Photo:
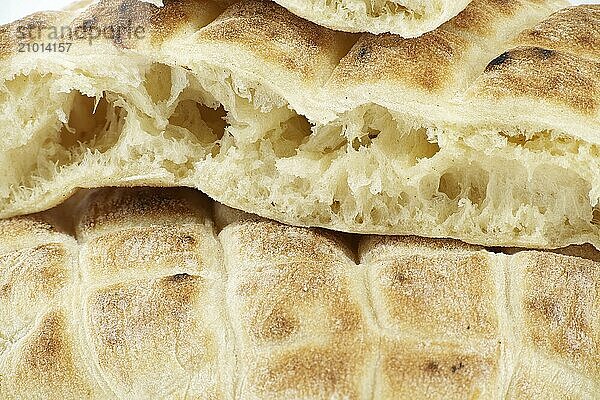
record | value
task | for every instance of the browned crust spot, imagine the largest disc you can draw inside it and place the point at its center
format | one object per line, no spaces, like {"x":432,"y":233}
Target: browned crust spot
{"x":47,"y":363}
{"x":159,"y":23}
{"x":449,"y":373}
{"x":129,"y":205}
{"x":274,"y":33}
{"x":140,"y":320}
{"x":309,"y":372}
{"x":573,"y":30}
{"x":443,"y":295}
{"x":561,"y":296}
{"x":427,"y":62}
{"x":270,"y":240}
{"x":44,"y":268}
{"x":293,"y":288}
{"x":22,"y":227}
{"x":145,"y":249}
{"x":538,"y":73}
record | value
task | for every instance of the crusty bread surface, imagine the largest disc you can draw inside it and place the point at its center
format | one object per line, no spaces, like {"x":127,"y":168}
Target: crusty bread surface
{"x":157,"y":293}
{"x":484,"y":130}
{"x":406,"y":18}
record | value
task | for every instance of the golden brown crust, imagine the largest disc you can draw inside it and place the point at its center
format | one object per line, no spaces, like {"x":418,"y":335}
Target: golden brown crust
{"x":159,"y":24}
{"x":433,"y":61}
{"x":561,"y":294}
{"x":12,"y":229}
{"x":479,"y":17}
{"x":432,"y":58}
{"x":162,"y":335}
{"x":436,"y":301}
{"x":144,"y":331}
{"x":267,"y":29}
{"x":572,"y":30}
{"x":294,"y":315}
{"x":147,"y":249}
{"x":310,"y":372}
{"x":380,"y":248}
{"x":47,"y":366}
{"x":271,"y":241}
{"x":118,"y":206}
{"x":16,"y":32}
{"x":44,"y":270}
{"x":550,"y":75}
{"x":443,"y":294}
{"x":453,"y":373}
{"x":301,"y":305}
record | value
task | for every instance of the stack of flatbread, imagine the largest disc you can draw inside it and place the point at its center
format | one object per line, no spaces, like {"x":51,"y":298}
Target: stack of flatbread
{"x":198,"y":197}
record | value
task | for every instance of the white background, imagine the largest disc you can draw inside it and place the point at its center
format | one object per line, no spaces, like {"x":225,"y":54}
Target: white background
{"x":14,"y":9}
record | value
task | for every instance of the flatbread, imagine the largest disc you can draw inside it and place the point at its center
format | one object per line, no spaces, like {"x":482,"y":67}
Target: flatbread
{"x":484,"y":130}
{"x":143,"y":293}
{"x":407,"y":18}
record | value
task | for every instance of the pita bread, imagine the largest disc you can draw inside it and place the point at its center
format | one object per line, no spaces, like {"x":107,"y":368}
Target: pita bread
{"x":484,"y":130}
{"x":405,"y":18}
{"x":145,"y":297}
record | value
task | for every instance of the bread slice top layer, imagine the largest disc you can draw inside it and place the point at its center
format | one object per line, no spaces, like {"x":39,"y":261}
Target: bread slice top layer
{"x":159,"y":293}
{"x":484,"y":130}
{"x":404,"y":18}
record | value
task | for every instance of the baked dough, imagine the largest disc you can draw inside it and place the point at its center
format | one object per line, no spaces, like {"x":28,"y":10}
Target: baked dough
{"x":407,"y":18}
{"x":145,"y":296}
{"x":473,"y":131}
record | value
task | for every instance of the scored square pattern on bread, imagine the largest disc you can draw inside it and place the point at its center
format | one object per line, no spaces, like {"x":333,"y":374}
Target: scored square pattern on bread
{"x":141,"y":295}
{"x":483,"y":130}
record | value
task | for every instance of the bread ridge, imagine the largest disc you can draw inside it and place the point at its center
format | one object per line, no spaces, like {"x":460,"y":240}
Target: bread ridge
{"x":261,"y":310}
{"x":322,"y":128}
{"x":407,"y":20}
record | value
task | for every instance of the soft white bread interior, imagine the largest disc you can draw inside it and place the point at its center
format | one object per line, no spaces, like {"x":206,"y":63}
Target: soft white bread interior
{"x":145,"y":298}
{"x":406,"y":18}
{"x":485,"y":129}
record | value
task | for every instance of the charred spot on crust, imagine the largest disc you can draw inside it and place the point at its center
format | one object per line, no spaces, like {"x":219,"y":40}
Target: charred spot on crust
{"x":124,"y":7}
{"x":544,"y":53}
{"x":501,"y":59}
{"x":363,"y":52}
{"x":457,"y":367}
{"x":178,"y":278}
{"x":432,"y":367}
{"x":89,"y":23}
{"x":187,"y":241}
{"x":539,"y":73}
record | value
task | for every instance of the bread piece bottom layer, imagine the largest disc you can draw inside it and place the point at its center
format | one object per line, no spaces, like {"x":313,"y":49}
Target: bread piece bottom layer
{"x":155,"y":293}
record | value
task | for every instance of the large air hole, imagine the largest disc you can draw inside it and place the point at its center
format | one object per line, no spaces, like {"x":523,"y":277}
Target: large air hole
{"x":450,"y":185}
{"x":158,"y":82}
{"x":372,"y":126}
{"x":206,"y":124}
{"x":419,"y":144}
{"x":293,"y":133}
{"x":92,"y":123}
{"x":382,"y":8}
{"x":458,"y":184}
{"x":544,"y":141}
{"x":366,"y":140}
